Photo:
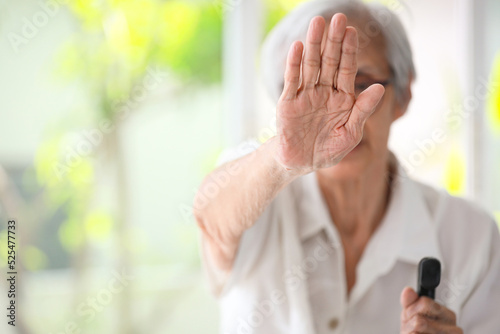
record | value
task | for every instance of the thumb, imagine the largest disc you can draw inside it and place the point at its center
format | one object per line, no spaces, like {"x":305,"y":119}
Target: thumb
{"x":408,"y":297}
{"x":365,"y":104}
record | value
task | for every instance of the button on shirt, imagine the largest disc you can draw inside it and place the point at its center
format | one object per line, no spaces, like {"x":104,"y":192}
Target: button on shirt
{"x":289,"y":273}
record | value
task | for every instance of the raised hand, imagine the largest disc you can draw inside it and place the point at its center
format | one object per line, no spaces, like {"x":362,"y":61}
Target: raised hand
{"x":319,"y":118}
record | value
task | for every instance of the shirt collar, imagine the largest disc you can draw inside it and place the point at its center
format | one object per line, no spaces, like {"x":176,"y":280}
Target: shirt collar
{"x":420,"y":231}
{"x":408,"y":231}
{"x":313,"y":208}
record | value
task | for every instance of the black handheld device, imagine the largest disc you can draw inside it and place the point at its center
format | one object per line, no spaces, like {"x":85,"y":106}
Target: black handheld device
{"x":429,"y":276}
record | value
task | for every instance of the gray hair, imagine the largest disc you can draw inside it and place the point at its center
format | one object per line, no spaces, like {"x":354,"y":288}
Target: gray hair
{"x":294,"y":27}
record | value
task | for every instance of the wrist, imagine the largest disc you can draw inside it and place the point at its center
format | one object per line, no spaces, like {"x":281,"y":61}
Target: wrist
{"x":284,"y":172}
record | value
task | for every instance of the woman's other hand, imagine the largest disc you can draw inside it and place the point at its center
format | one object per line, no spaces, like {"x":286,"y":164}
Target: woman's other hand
{"x":423,"y":315}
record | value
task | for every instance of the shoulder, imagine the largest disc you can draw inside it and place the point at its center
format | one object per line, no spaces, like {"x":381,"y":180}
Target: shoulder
{"x":469,"y":243}
{"x":456,"y":214}
{"x":467,"y":233}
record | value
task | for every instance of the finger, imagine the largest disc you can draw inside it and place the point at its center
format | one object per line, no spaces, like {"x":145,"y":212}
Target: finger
{"x":419,"y":324}
{"x":428,"y":326}
{"x":408,"y":295}
{"x":348,"y":61}
{"x":333,"y":46}
{"x":430,"y":309}
{"x":365,"y":105}
{"x":312,"y":57}
{"x":292,"y":71}
{"x":422,"y":307}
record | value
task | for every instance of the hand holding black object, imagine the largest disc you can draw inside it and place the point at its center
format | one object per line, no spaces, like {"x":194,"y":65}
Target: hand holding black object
{"x":420,"y":313}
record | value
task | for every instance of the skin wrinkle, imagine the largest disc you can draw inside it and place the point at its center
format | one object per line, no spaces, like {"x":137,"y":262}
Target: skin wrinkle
{"x":322,"y":125}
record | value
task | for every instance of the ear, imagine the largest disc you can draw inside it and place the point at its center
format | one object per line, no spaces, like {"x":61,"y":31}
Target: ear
{"x":401,"y":107}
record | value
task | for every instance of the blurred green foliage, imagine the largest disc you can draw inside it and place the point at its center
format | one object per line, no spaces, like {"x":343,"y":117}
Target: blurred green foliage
{"x":117,"y":42}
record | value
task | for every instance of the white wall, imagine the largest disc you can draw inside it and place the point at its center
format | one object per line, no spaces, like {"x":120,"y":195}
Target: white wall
{"x":31,"y":98}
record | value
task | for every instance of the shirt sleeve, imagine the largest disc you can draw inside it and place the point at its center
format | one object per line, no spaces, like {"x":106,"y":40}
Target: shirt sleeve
{"x":480,"y":311}
{"x":219,"y":281}
{"x":249,"y":254}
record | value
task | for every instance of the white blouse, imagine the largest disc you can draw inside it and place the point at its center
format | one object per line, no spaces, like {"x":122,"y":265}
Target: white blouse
{"x":289,"y":274}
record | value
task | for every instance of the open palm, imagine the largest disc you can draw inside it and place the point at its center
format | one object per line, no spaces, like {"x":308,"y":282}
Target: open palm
{"x":319,"y":118}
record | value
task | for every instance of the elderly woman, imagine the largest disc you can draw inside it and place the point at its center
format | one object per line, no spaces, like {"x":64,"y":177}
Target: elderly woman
{"x":319,"y":230}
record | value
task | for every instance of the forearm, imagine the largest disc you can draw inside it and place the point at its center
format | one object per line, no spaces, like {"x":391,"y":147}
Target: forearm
{"x":250,"y":184}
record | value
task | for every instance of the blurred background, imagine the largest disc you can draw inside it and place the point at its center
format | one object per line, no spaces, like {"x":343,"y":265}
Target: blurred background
{"x":112,"y":112}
